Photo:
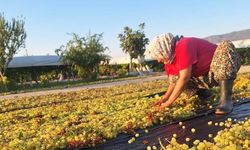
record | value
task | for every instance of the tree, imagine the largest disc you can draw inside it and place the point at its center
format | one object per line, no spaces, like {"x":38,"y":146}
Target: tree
{"x":59,"y":51}
{"x":133,"y":42}
{"x":12,"y":37}
{"x":84,"y":54}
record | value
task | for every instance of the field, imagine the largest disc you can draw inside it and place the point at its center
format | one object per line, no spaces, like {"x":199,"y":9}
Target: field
{"x":93,"y":116}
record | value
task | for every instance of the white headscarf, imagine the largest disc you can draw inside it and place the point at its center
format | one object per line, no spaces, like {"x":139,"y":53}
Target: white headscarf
{"x":161,"y":47}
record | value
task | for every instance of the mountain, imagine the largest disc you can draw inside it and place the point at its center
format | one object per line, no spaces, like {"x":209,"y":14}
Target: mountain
{"x":239,"y":38}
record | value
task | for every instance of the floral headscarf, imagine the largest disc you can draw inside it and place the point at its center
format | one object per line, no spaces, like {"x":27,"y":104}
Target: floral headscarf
{"x":162,"y":46}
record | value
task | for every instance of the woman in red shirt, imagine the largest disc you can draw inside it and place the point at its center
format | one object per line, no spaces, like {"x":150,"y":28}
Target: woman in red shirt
{"x":187,"y":59}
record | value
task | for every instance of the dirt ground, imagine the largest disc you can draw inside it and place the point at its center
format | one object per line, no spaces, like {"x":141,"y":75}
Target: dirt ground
{"x":243,"y":69}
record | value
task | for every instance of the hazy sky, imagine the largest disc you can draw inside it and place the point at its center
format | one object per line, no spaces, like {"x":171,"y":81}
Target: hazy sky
{"x":49,"y":22}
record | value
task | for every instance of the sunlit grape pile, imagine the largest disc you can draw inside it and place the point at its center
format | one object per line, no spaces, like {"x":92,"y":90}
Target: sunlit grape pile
{"x":92,"y":116}
{"x":235,"y":136}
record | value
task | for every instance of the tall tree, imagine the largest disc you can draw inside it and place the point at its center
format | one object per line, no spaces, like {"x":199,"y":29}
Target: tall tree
{"x":12,"y":38}
{"x":84,"y":54}
{"x":133,"y":42}
{"x":59,"y":51}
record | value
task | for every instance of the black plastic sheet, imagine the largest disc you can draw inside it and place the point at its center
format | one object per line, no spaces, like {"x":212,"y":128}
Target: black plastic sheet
{"x":165,"y":131}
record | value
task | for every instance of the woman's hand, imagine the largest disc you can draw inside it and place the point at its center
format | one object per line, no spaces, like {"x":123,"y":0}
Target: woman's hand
{"x":163,"y":106}
{"x":157,"y":103}
{"x":185,"y":75}
{"x":165,"y":96}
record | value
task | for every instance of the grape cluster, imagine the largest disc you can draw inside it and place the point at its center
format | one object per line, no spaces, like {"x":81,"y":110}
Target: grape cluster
{"x":235,"y":136}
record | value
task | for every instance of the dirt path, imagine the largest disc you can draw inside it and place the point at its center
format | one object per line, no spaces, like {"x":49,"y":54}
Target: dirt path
{"x":243,"y":69}
{"x":99,"y":85}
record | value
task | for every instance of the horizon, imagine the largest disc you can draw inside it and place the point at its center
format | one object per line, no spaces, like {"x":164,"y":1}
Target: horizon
{"x":48,"y":24}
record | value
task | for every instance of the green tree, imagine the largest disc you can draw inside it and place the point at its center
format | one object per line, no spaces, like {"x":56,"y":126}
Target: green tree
{"x":12,"y":38}
{"x":59,"y":51}
{"x":133,"y":42}
{"x":84,"y":54}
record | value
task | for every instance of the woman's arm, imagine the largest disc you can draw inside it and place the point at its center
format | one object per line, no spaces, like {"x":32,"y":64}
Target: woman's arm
{"x":169,"y":92}
{"x":184,"y":76}
{"x":166,"y":95}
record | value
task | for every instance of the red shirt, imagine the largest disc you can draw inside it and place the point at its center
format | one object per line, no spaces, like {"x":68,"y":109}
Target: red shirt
{"x":192,"y":51}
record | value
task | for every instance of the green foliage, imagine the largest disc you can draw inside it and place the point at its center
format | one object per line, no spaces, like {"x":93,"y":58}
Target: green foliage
{"x":104,"y":70}
{"x":59,"y":51}
{"x":123,"y":70}
{"x":156,"y":66}
{"x":120,"y":70}
{"x":6,"y":84}
{"x":245,"y":55}
{"x":46,"y":77}
{"x":28,"y":74}
{"x":12,"y":37}
{"x":133,"y":42}
{"x":84,"y":54}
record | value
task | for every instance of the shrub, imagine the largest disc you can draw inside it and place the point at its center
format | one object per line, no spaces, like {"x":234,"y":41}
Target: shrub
{"x":6,"y":84}
{"x":44,"y":79}
{"x":245,"y":55}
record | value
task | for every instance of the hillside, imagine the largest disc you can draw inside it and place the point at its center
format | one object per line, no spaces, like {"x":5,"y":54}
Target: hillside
{"x":233,"y":36}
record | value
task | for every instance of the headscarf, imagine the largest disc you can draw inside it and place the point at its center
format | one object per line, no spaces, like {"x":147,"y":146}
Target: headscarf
{"x":162,"y":46}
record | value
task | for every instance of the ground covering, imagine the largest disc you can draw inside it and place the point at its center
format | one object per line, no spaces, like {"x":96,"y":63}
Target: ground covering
{"x":92,"y":116}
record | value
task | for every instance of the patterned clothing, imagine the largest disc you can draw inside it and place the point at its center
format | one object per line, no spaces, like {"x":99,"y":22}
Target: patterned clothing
{"x":225,"y":64}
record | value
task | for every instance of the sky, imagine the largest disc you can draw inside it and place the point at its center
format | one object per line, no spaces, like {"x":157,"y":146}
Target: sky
{"x":49,"y":23}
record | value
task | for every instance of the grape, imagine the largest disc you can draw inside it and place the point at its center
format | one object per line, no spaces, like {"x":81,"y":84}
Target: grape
{"x":210,"y":123}
{"x":192,"y":130}
{"x":187,"y":139}
{"x":174,"y":135}
{"x":137,"y":135}
{"x":149,"y":148}
{"x":131,"y":140}
{"x":233,"y":137}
